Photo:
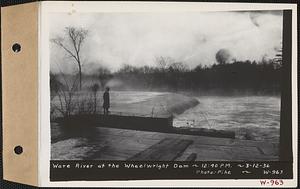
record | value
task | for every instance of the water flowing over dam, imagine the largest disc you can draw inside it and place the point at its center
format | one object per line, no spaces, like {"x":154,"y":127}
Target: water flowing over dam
{"x":143,"y":114}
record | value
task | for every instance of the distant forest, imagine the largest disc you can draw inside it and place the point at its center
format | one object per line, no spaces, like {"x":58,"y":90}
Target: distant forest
{"x":237,"y":77}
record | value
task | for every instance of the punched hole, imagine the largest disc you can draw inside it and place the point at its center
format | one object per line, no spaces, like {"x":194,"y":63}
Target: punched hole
{"x":18,"y":150}
{"x":16,"y":47}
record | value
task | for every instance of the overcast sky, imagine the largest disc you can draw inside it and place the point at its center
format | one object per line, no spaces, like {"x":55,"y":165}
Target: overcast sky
{"x":115,"y":39}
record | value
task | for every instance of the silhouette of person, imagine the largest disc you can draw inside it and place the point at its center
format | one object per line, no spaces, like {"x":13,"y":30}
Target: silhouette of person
{"x":106,"y":103}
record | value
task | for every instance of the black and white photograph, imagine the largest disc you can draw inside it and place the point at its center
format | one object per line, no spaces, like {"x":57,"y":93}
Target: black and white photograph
{"x":166,"y":86}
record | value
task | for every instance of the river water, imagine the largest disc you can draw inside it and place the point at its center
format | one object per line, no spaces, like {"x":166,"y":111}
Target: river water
{"x":251,"y":117}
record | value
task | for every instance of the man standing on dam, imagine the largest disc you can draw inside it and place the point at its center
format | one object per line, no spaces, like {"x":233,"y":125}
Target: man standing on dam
{"x":106,"y":103}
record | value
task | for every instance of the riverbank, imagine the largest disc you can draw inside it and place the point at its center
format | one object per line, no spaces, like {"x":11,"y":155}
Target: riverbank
{"x":152,"y":112}
{"x":150,"y":104}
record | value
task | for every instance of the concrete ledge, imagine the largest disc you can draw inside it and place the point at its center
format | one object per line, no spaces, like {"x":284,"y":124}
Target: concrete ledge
{"x":204,"y":132}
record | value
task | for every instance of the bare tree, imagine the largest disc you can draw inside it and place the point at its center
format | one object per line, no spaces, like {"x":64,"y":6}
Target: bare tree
{"x":178,"y":67}
{"x":66,"y":96}
{"x":72,"y":43}
{"x":163,"y":62}
{"x":94,"y":88}
{"x":55,"y":85}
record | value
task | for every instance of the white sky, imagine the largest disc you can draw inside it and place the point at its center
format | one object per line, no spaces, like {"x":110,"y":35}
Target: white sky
{"x":115,"y":39}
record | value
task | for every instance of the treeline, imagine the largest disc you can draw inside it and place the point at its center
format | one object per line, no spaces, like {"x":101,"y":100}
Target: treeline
{"x":239,"y":76}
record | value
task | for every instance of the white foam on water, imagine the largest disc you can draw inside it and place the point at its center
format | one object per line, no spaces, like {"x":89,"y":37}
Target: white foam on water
{"x":251,"y":117}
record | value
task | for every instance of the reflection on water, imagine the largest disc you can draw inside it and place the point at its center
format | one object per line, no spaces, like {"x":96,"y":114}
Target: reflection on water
{"x":252,"y":117}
